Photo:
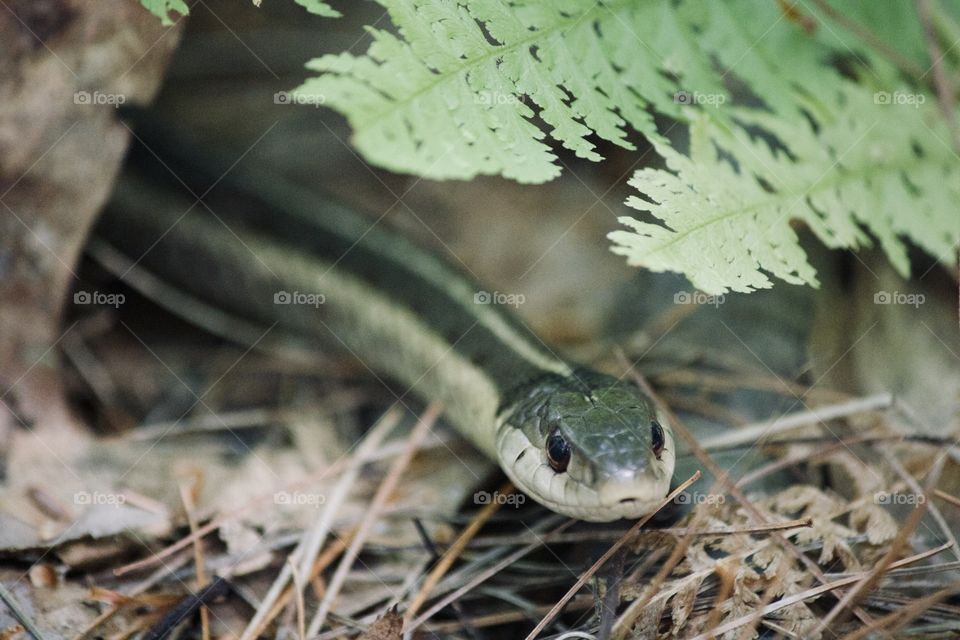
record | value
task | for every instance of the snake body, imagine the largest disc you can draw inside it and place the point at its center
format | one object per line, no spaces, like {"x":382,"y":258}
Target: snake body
{"x":580,"y":442}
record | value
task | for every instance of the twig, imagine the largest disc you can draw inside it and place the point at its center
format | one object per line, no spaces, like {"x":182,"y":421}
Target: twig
{"x":453,"y":552}
{"x":306,"y":552}
{"x":547,"y":619}
{"x":297,"y":591}
{"x":605,"y":534}
{"x":627,"y":618}
{"x":482,"y":577}
{"x":762,"y":430}
{"x":943,"y":495}
{"x":384,"y":491}
{"x":19,"y":613}
{"x":783,"y":463}
{"x":810,"y":593}
{"x":186,"y":608}
{"x":611,"y":596}
{"x":186,"y":497}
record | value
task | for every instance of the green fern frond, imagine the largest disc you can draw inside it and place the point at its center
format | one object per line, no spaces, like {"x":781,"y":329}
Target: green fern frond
{"x":163,"y":8}
{"x":458,"y":90}
{"x":319,"y":8}
{"x":875,"y":166}
{"x":455,"y":94}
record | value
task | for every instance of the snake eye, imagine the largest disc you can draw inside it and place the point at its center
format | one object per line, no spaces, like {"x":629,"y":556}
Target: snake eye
{"x":558,"y":452}
{"x":656,"y":438}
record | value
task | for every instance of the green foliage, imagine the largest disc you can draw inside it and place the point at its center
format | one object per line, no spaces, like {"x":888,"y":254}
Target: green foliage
{"x":318,"y":7}
{"x":776,"y":133}
{"x":163,"y":8}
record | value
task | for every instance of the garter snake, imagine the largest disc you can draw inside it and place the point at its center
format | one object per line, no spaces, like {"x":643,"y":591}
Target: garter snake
{"x":584,"y":444}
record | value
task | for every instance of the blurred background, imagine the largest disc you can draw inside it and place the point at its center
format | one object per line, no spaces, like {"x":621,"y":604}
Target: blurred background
{"x":124,"y":399}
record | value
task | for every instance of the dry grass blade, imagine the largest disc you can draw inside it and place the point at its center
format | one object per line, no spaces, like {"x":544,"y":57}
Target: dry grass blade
{"x":386,"y":488}
{"x":306,"y":552}
{"x":547,"y":619}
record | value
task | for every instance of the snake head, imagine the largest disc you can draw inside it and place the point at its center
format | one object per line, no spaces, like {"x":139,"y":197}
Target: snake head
{"x":588,"y":446}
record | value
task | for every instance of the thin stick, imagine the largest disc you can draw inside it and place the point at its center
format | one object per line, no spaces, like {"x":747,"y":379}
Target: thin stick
{"x":306,"y":552}
{"x":483,"y":576}
{"x":386,"y":488}
{"x":943,"y":495}
{"x":186,"y":497}
{"x":19,"y":613}
{"x":453,"y":552}
{"x":547,"y":619}
{"x":298,"y":593}
{"x":186,"y":608}
{"x":753,"y":433}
